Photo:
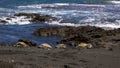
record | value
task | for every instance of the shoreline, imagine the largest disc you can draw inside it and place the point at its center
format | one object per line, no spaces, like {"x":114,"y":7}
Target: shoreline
{"x":96,"y":57}
{"x":104,"y":52}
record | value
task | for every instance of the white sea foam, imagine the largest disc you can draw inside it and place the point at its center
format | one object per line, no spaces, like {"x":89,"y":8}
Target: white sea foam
{"x":16,"y":20}
{"x":59,"y":5}
{"x":44,"y":5}
{"x":87,"y":20}
{"x":91,"y":5}
{"x":107,"y":25}
{"x":99,"y":24}
{"x":114,"y":2}
{"x":23,"y":20}
{"x":62,"y":24}
{"x":86,"y":14}
{"x":30,"y":6}
{"x":59,"y":12}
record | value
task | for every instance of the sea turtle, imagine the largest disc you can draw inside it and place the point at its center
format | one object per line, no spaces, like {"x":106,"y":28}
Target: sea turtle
{"x":84,"y":45}
{"x":61,"y":46}
{"x":21,"y":44}
{"x":45,"y":46}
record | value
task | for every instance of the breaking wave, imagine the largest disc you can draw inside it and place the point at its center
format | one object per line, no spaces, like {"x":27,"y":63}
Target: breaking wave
{"x":100,"y":15}
{"x":15,"y":20}
{"x":57,"y":5}
{"x":114,"y":2}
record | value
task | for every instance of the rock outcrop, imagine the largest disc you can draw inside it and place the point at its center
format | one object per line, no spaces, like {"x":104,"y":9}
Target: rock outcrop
{"x":3,"y":21}
{"x":37,"y":17}
{"x":76,"y":35}
{"x":69,"y":31}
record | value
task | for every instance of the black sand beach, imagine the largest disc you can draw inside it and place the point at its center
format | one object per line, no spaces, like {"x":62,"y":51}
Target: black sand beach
{"x":59,"y":34}
{"x":103,"y":54}
{"x":11,"y":57}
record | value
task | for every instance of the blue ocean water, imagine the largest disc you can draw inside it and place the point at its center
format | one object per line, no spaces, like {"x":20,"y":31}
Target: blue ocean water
{"x":100,"y":13}
{"x":25,"y":2}
{"x":12,"y":3}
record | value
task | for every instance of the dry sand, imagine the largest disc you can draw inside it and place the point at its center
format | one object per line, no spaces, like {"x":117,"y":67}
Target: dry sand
{"x":32,"y":57}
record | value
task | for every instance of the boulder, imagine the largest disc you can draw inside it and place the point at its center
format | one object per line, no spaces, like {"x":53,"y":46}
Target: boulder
{"x":21,"y":44}
{"x":28,"y":15}
{"x":45,"y":46}
{"x":3,"y":21}
{"x":108,"y":46}
{"x":61,"y":46}
{"x":48,"y":31}
{"x":90,"y":46}
{"x":75,"y":40}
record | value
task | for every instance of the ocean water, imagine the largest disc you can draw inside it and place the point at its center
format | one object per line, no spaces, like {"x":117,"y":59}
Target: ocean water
{"x":28,"y":2}
{"x":99,"y":13}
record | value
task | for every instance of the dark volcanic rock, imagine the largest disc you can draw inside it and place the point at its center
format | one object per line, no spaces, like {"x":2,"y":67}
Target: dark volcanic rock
{"x":75,"y":40}
{"x":72,"y":35}
{"x":37,"y":17}
{"x":3,"y":21}
{"x":70,"y":31}
{"x":50,"y":31}
{"x":75,"y":35}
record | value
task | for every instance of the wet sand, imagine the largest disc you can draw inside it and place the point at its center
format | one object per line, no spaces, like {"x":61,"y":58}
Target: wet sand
{"x":32,"y":57}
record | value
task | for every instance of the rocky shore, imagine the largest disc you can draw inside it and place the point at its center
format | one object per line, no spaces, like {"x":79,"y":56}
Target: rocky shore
{"x":73,"y":36}
{"x":37,"y":17}
{"x":27,"y":17}
{"x":104,"y":52}
{"x":80,"y":47}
